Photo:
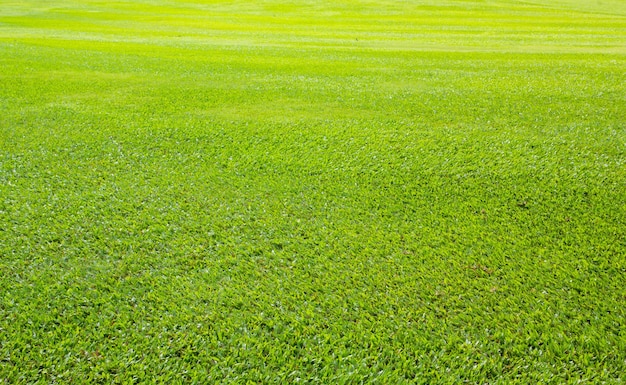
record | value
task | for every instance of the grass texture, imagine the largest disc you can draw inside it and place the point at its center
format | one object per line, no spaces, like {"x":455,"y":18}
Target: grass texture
{"x":313,"y":192}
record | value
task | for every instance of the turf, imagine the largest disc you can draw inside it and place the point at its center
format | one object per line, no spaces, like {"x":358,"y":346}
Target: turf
{"x":317,"y":192}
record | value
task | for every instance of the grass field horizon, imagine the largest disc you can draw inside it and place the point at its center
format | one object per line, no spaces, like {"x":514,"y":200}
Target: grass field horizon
{"x":280,"y":192}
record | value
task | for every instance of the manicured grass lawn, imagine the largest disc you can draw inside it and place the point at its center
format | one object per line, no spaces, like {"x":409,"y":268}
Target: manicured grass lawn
{"x":319,"y":192}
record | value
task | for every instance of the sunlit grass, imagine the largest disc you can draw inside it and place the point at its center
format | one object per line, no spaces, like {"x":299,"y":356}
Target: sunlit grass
{"x":379,"y":192}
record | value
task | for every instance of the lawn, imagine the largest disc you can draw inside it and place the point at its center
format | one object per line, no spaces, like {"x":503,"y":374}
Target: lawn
{"x":429,"y":192}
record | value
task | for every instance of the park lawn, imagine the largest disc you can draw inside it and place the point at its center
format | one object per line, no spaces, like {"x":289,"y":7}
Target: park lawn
{"x":280,"y":192}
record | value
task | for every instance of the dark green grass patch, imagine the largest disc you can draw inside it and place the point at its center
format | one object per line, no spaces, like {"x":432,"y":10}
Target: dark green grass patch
{"x":371,"y":192}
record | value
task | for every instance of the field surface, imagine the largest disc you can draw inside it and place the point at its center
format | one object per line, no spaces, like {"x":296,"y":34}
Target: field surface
{"x":311,"y":191}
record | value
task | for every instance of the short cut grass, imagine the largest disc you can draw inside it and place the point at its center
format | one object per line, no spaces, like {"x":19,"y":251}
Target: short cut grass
{"x":308,"y":191}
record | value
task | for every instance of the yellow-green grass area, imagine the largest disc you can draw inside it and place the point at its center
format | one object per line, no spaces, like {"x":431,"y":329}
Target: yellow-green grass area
{"x":344,"y":192}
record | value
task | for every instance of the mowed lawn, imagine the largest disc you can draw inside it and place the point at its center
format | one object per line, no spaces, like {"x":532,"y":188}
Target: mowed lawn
{"x":308,"y":191}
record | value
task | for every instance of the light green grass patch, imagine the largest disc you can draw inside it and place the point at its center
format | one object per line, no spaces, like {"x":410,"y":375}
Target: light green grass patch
{"x":377,"y":192}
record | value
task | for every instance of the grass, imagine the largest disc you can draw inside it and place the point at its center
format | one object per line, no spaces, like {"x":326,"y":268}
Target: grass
{"x":281,"y":192}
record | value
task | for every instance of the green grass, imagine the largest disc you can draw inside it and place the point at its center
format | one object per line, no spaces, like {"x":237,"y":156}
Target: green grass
{"x":310,"y":191}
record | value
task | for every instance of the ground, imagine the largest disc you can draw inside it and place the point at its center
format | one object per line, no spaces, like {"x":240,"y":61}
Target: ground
{"x":281,"y":192}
